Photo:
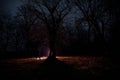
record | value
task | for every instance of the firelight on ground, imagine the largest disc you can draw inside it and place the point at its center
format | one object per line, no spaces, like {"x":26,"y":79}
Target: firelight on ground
{"x":41,"y":58}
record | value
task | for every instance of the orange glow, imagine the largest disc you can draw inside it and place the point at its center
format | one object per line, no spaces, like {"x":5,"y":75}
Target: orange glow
{"x":38,"y":58}
{"x":95,"y":65}
{"x":42,"y":58}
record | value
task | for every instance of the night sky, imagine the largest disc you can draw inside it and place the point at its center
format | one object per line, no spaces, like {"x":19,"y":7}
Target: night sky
{"x":10,"y":5}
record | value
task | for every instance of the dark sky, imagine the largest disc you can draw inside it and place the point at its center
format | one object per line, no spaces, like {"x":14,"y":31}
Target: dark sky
{"x":10,"y":5}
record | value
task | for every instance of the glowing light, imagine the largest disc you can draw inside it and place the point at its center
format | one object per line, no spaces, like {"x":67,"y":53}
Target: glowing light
{"x":42,"y":58}
{"x":38,"y":58}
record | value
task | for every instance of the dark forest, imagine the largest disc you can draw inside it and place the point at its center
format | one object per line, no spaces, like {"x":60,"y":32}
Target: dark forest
{"x":51,"y":28}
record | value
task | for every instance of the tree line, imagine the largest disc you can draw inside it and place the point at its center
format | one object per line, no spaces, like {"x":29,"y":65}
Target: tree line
{"x":67,"y":27}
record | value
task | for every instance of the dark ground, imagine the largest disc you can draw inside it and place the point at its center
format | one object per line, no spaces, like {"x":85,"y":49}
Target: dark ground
{"x":50,"y":69}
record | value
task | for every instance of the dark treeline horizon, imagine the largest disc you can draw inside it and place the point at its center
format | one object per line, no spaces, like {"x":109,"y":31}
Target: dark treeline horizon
{"x":66,"y":27}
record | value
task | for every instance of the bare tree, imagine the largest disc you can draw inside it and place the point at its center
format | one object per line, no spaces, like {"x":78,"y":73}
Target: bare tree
{"x":27,"y":20}
{"x":96,"y":15}
{"x":5,"y":26}
{"x":114,"y":9}
{"x":52,"y":13}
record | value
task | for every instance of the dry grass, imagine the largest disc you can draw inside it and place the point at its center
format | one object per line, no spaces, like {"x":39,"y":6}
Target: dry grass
{"x":93,"y":65}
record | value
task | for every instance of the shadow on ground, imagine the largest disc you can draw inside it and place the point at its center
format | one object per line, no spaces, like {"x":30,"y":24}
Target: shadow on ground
{"x":50,"y":69}
{"x":53,"y":69}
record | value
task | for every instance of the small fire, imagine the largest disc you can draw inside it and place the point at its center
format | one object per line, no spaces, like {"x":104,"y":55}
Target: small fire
{"x":38,"y":58}
{"x":41,"y":58}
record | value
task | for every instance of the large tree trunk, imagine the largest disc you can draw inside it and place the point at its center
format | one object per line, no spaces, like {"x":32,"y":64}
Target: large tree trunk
{"x":52,"y":43}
